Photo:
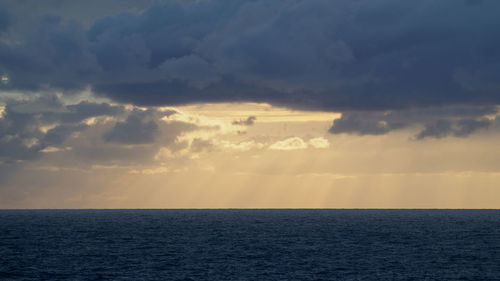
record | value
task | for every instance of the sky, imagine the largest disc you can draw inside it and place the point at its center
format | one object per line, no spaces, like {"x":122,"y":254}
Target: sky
{"x":249,"y":104}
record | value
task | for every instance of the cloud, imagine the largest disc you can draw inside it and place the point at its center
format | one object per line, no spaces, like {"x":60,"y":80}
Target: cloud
{"x":319,"y":143}
{"x":138,"y":128}
{"x":192,"y":69}
{"x":308,"y":54}
{"x":45,"y":129}
{"x":30,"y":125}
{"x":83,"y":110}
{"x":5,"y":20}
{"x":152,"y":171}
{"x":438,"y":129}
{"x":296,"y":143}
{"x":352,"y":123}
{"x":241,"y":146}
{"x":469,"y":126}
{"x":247,"y":122}
{"x":459,"y":121}
{"x":293,"y":143}
{"x":57,"y":135}
{"x":199,"y":145}
{"x":444,"y":128}
{"x":51,"y":54}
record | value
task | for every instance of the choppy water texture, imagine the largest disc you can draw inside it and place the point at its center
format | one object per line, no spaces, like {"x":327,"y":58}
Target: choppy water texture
{"x":249,"y":244}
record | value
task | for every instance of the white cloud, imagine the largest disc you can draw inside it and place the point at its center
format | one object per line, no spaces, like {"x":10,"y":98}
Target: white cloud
{"x":242,"y":146}
{"x":152,"y":171}
{"x":55,"y":149}
{"x":292,"y":143}
{"x":319,"y":142}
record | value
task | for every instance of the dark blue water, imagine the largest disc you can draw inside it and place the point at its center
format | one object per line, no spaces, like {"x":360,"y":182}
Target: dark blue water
{"x":249,"y":244}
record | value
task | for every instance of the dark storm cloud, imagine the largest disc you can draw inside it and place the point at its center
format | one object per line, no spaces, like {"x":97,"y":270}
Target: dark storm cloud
{"x":120,"y":143}
{"x":31,"y":126}
{"x":22,"y":133}
{"x":461,"y":128}
{"x":139,"y":128}
{"x":58,"y":135}
{"x":466,"y":127}
{"x":352,"y":123}
{"x":83,"y":110}
{"x":437,"y":129}
{"x":315,"y":54}
{"x":51,"y":54}
{"x":4,"y":19}
{"x":437,"y":122}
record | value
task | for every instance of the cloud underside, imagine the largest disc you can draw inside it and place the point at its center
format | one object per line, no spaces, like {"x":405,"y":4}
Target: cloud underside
{"x":315,"y":54}
{"x":436,"y":122}
{"x":110,"y":134}
{"x":386,"y":65}
{"x":82,"y":90}
{"x":95,"y":133}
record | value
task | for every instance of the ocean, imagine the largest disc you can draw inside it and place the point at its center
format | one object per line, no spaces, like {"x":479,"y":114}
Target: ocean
{"x":250,"y":244}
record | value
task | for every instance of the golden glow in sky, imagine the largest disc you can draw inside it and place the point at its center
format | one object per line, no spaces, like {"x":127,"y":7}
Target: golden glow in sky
{"x":280,"y":159}
{"x":195,"y":104}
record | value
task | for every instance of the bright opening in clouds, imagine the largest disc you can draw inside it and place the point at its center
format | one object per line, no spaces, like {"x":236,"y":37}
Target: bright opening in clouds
{"x":217,"y":104}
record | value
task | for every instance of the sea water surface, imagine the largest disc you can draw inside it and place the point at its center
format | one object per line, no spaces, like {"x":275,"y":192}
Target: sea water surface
{"x":249,"y":244}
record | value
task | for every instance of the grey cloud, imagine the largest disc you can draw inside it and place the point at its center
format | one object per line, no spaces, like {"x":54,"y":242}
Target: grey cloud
{"x":199,"y":145}
{"x":474,"y":2}
{"x":28,"y":127}
{"x":92,"y":147}
{"x":56,"y":136}
{"x":197,"y":72}
{"x":86,"y":12}
{"x":53,"y":54}
{"x":139,"y":128}
{"x":22,"y":136}
{"x":172,"y":130}
{"x":469,"y":126}
{"x":145,"y":127}
{"x":316,"y":54}
{"x":351,"y":123}
{"x":437,"y":122}
{"x":461,"y":128}
{"x":5,"y":19}
{"x":83,"y":110}
{"x":497,"y":122}
{"x":437,"y":129}
{"x":43,"y":104}
{"x":13,"y":148}
{"x":247,"y":122}
{"x":75,"y":113}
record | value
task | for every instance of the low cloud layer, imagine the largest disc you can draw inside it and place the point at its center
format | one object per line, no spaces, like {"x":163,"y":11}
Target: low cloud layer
{"x":83,"y":88}
{"x":461,"y":128}
{"x":316,"y":54}
{"x":138,"y":128}
{"x":83,"y":135}
{"x":436,"y":122}
{"x":29,"y":126}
